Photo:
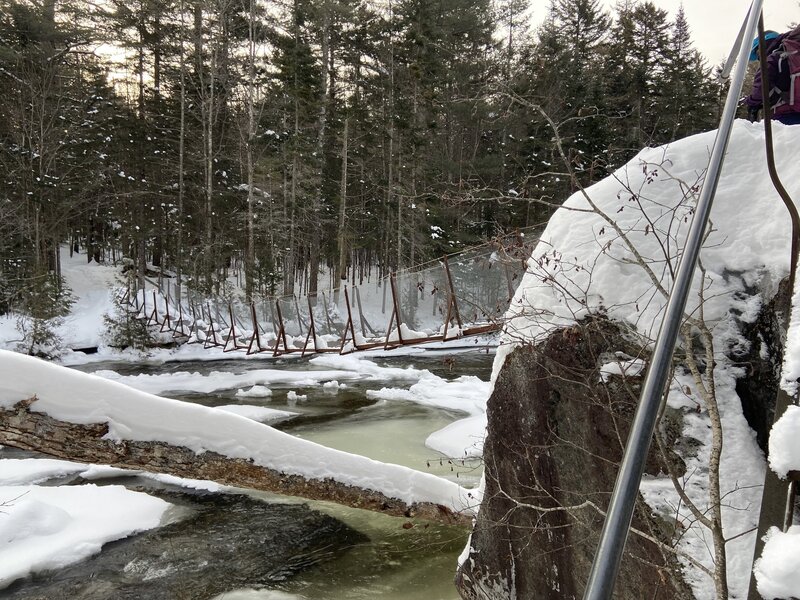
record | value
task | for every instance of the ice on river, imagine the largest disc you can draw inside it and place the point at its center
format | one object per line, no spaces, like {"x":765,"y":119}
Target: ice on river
{"x":466,"y":394}
{"x":262,"y":414}
{"x":51,"y":527}
{"x":325,"y":369}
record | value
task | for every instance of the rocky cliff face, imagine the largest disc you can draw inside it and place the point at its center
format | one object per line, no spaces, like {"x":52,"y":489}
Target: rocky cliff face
{"x":556,"y":434}
{"x":762,"y":358}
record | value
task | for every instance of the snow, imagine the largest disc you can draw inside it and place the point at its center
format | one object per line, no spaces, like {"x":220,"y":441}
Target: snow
{"x":467,"y":394}
{"x":262,"y":414}
{"x":407,"y":334}
{"x":50,"y":527}
{"x":623,"y":367}
{"x":133,"y":415}
{"x":257,"y":391}
{"x":784,"y":451}
{"x":790,"y":374}
{"x":741,"y":474}
{"x":215,"y":381}
{"x":339,"y":368}
{"x":776,"y":571}
{"x":461,"y":439}
{"x":583,"y":265}
{"x":26,"y":471}
{"x":93,"y":286}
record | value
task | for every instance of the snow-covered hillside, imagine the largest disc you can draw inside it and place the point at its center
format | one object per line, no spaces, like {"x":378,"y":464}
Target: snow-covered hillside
{"x":91,"y":285}
{"x":609,"y":250}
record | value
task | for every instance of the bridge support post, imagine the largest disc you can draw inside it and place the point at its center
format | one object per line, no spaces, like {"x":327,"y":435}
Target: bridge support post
{"x":153,"y":318}
{"x":396,"y":309}
{"x":167,"y":324}
{"x":453,"y":298}
{"x":281,"y":331}
{"x":349,"y":324}
{"x":231,"y":333}
{"x":255,"y":337}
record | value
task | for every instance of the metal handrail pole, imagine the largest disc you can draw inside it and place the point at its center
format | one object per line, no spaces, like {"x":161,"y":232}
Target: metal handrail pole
{"x":728,"y":67}
{"x":620,"y":511}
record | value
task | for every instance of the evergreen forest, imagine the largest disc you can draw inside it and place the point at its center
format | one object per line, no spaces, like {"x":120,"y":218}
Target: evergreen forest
{"x":297,"y":143}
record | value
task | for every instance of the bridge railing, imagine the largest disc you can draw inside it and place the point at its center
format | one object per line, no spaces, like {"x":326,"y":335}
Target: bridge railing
{"x":462,"y":294}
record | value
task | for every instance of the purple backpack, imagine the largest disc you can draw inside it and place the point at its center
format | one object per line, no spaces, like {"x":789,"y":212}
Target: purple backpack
{"x":788,"y":54}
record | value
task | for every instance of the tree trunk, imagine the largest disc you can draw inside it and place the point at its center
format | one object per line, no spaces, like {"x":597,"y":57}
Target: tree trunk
{"x":22,"y":428}
{"x":181,"y":158}
{"x":316,"y":208}
{"x":341,"y":275}
{"x":209,"y":164}
{"x":250,"y":255}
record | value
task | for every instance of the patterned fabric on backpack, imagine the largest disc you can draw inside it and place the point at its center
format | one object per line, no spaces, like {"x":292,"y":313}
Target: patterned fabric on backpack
{"x":789,"y":60}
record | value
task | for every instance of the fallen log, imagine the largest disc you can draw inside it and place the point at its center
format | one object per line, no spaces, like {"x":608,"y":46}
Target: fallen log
{"x":24,"y":428}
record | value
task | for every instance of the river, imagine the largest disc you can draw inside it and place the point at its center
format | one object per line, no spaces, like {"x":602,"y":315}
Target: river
{"x":239,"y":544}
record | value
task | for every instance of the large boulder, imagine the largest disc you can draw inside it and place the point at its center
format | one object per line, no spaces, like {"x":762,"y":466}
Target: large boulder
{"x":555,"y":438}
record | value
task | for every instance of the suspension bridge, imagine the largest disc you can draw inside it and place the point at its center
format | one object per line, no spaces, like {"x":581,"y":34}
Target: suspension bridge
{"x":460,"y":295}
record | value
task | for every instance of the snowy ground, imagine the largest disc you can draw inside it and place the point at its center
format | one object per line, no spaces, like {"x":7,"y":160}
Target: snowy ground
{"x":45,"y":527}
{"x":91,"y":285}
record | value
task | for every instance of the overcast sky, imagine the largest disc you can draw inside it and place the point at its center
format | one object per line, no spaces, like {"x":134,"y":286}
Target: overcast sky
{"x":715,"y":23}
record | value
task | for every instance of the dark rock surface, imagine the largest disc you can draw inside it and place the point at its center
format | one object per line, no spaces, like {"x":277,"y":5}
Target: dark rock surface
{"x":762,"y":360}
{"x":555,"y":438}
{"x":227,"y":542}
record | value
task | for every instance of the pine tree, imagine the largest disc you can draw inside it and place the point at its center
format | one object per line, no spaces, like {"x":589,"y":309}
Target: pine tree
{"x":272,"y":142}
{"x":297,"y":94}
{"x":51,"y":110}
{"x":687,"y":101}
{"x":649,"y":57}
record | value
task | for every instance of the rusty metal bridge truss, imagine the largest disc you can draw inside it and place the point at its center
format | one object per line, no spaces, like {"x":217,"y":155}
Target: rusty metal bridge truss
{"x":460,"y":295}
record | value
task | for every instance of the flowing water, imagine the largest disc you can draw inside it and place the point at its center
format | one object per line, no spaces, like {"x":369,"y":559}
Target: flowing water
{"x":250,"y":545}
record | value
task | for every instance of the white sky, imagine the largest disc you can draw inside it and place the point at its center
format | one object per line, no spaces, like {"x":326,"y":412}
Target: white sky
{"x":715,"y":23}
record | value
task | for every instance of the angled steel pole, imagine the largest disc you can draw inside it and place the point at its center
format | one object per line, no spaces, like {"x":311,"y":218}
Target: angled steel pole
{"x":620,"y":511}
{"x":728,"y":67}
